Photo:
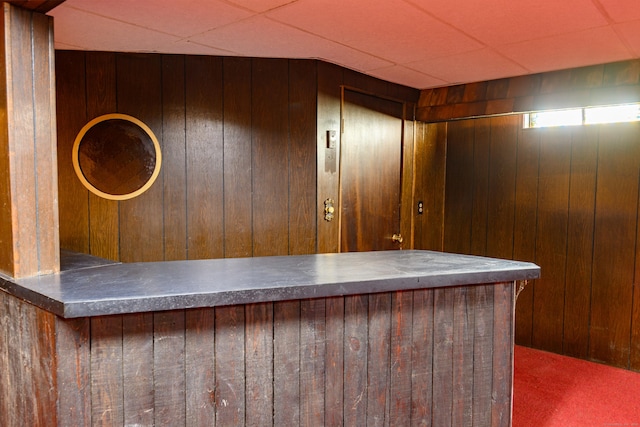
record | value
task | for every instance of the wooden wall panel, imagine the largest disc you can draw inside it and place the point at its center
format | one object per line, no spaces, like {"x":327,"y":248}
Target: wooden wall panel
{"x":238,"y":206}
{"x":582,"y":188}
{"x":173,"y":173}
{"x":302,"y":149}
{"x":525,"y":223}
{"x":270,"y":156}
{"x":101,"y":95}
{"x":567,"y":200}
{"x":502,"y":184}
{"x":614,"y":243}
{"x":73,"y":199}
{"x":551,"y":237}
{"x":458,"y":202}
{"x":141,"y":218}
{"x":429,"y":185}
{"x":204,"y":166}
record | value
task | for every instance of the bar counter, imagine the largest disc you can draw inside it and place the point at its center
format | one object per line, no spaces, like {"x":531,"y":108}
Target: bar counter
{"x":375,"y":338}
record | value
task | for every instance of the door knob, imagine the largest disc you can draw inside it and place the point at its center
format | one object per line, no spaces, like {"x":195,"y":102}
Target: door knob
{"x":397,"y":238}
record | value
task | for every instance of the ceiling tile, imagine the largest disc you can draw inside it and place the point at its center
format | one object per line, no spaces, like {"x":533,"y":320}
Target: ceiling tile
{"x":89,"y":32}
{"x":479,"y":65}
{"x":498,"y":22}
{"x":261,"y":5}
{"x":630,"y":33}
{"x":406,"y":76}
{"x":622,"y":10}
{"x":264,"y":37}
{"x":597,"y":46}
{"x":390,"y":29}
{"x":181,"y":18}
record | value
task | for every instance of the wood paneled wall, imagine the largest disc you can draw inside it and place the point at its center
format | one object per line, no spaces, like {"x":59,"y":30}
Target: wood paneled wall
{"x":567,"y":199}
{"x":424,"y":357}
{"x":602,"y":84}
{"x":245,"y":165}
{"x":239,"y":140}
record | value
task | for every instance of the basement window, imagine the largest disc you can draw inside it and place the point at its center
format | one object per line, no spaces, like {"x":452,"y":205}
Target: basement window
{"x":583,"y":116}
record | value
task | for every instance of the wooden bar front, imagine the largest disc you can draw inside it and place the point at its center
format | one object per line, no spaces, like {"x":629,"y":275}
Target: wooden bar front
{"x":437,"y":356}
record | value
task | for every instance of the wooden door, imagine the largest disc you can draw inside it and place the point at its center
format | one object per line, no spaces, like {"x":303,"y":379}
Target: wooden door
{"x":370,"y":172}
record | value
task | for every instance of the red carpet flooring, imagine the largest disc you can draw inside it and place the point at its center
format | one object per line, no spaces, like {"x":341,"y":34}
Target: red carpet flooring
{"x":551,"y":390}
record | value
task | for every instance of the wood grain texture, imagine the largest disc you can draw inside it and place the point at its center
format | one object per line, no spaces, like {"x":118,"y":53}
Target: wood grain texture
{"x":458,"y":201}
{"x":173,"y":173}
{"x":328,"y":161}
{"x":204,"y":151}
{"x":270,"y":156}
{"x":400,"y":358}
{"x":302,"y":129}
{"x":582,"y":188}
{"x":141,"y":217}
{"x":101,"y":95}
{"x":551,"y":237}
{"x":200,"y":368}
{"x":525,"y":223}
{"x":72,"y":115}
{"x":614,"y":244}
{"x":480,"y":190}
{"x":238,"y":206}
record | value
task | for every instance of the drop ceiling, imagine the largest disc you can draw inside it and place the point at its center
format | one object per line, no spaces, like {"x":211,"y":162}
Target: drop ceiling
{"x":418,"y":43}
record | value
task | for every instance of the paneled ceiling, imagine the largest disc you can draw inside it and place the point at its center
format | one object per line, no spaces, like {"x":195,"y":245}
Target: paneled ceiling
{"x":418,"y":43}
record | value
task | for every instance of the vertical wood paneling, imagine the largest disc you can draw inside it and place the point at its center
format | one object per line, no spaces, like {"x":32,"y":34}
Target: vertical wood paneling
{"x":502,"y":354}
{"x":101,"y":96}
{"x":204,"y":151}
{"x":286,"y":360}
{"x":458,"y":202}
{"x":107,"y":407}
{"x":270,"y":156}
{"x":138,"y":368}
{"x":328,"y":118}
{"x":401,"y":347}
{"x":73,"y":370}
{"x":525,"y":223}
{"x":173,"y":173}
{"x":582,"y":190}
{"x":335,"y":362}
{"x":614,"y":244}
{"x":551,"y":237}
{"x":141,"y":218}
{"x":200,"y":375}
{"x":48,"y":235}
{"x":355,"y":359}
{"x":302,"y":174}
{"x":430,"y":168}
{"x":259,"y":364}
{"x":378,"y":359}
{"x":73,"y":199}
{"x":480,"y":189}
{"x":237,"y":157}
{"x":483,"y":298}
{"x":443,"y":320}
{"x":502,"y":183}
{"x":463,"y":356}
{"x":230,"y":368}
{"x":169,"y":368}
{"x":313,"y":344}
{"x":422,"y":358}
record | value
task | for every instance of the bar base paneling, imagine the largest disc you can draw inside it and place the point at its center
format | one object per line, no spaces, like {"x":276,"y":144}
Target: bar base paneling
{"x":439,"y":356}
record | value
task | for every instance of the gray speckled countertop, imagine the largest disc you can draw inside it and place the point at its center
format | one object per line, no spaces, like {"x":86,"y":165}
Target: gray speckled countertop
{"x":89,"y":286}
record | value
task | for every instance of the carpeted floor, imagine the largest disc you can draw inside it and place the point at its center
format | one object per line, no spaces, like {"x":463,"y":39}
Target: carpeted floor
{"x":557,"y":391}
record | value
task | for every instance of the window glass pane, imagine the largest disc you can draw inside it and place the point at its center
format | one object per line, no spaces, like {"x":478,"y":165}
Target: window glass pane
{"x":612,"y":114}
{"x":556,"y":118}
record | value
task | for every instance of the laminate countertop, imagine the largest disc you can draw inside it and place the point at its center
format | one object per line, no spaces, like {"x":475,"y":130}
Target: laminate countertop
{"x":89,"y":286}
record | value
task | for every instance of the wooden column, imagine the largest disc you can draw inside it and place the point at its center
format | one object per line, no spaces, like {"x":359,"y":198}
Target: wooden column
{"x":29,"y":239}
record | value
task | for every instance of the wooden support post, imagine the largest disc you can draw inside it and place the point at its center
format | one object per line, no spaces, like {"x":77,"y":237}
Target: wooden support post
{"x":29,"y":237}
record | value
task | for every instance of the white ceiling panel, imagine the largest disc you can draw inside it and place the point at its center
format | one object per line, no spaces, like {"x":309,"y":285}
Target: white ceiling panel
{"x":419,"y":43}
